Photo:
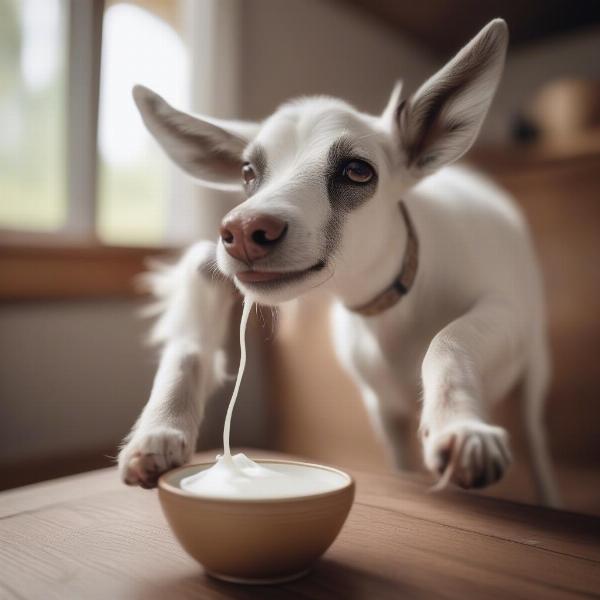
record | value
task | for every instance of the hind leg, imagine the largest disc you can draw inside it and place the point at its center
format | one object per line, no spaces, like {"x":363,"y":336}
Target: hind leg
{"x":534,"y":392}
{"x":360,"y":356}
{"x":392,"y":423}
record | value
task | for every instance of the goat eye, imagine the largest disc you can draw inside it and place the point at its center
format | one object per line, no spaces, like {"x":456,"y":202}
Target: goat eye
{"x":248,"y":174}
{"x":358,"y":171}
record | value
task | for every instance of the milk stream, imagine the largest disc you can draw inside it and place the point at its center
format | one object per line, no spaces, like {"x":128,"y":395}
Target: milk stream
{"x":238,"y":381}
{"x":241,"y":478}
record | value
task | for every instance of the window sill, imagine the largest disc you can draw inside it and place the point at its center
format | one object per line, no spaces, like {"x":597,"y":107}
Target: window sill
{"x":67,"y":272}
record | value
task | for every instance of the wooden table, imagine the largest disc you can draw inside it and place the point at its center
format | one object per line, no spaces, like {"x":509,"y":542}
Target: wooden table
{"x":90,"y":537}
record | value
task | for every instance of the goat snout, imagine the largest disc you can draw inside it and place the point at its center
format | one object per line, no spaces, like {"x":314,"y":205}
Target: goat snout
{"x":251,"y":238}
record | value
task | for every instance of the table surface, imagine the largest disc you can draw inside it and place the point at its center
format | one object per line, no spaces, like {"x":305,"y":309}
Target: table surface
{"x":88,"y":536}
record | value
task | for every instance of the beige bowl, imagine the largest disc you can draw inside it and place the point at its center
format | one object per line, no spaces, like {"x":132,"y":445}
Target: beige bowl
{"x":254,"y":541}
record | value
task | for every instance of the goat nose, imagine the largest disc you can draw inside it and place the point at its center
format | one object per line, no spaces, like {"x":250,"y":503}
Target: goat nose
{"x":252,"y":238}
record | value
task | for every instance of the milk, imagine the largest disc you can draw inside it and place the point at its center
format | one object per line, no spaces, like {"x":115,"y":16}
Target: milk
{"x":243,"y":479}
{"x":238,"y":477}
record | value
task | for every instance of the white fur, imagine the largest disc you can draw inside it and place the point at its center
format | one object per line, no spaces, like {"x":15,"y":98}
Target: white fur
{"x":471,"y":328}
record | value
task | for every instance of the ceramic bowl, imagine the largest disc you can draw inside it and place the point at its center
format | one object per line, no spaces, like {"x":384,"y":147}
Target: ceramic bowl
{"x":254,"y":541}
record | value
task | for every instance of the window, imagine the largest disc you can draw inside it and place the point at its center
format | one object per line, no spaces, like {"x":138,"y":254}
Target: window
{"x":86,"y":195}
{"x":33,"y":37}
{"x":75,"y":158}
{"x":134,"y":177}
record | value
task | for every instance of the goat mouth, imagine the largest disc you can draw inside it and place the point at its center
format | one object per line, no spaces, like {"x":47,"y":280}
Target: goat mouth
{"x":265,"y":279}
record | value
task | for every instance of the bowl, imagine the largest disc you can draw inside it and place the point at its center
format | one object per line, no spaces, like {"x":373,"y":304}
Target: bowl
{"x":259,"y":541}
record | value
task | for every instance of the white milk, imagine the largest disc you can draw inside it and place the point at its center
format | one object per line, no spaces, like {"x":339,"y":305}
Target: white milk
{"x":241,"y":478}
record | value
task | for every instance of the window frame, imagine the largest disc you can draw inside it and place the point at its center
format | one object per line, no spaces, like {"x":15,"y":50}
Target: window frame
{"x":83,"y":96}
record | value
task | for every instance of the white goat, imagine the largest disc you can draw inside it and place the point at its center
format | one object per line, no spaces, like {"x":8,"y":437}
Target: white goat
{"x":438,"y":290}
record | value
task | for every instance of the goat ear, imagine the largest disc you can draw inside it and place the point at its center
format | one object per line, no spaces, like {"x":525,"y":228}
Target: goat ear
{"x":440,"y":122}
{"x":390,"y":111}
{"x":210,"y":150}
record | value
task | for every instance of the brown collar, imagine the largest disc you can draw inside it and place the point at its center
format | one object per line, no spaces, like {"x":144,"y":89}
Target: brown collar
{"x":405,"y":279}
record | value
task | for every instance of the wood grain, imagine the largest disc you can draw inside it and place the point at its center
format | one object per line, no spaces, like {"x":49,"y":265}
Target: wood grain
{"x":88,"y":536}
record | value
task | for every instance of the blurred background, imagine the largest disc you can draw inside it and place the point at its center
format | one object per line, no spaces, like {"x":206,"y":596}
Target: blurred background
{"x":86,"y":197}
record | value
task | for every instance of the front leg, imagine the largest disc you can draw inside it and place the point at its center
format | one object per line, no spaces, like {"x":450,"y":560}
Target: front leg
{"x":192,"y":328}
{"x":165,"y":434}
{"x":467,"y":364}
